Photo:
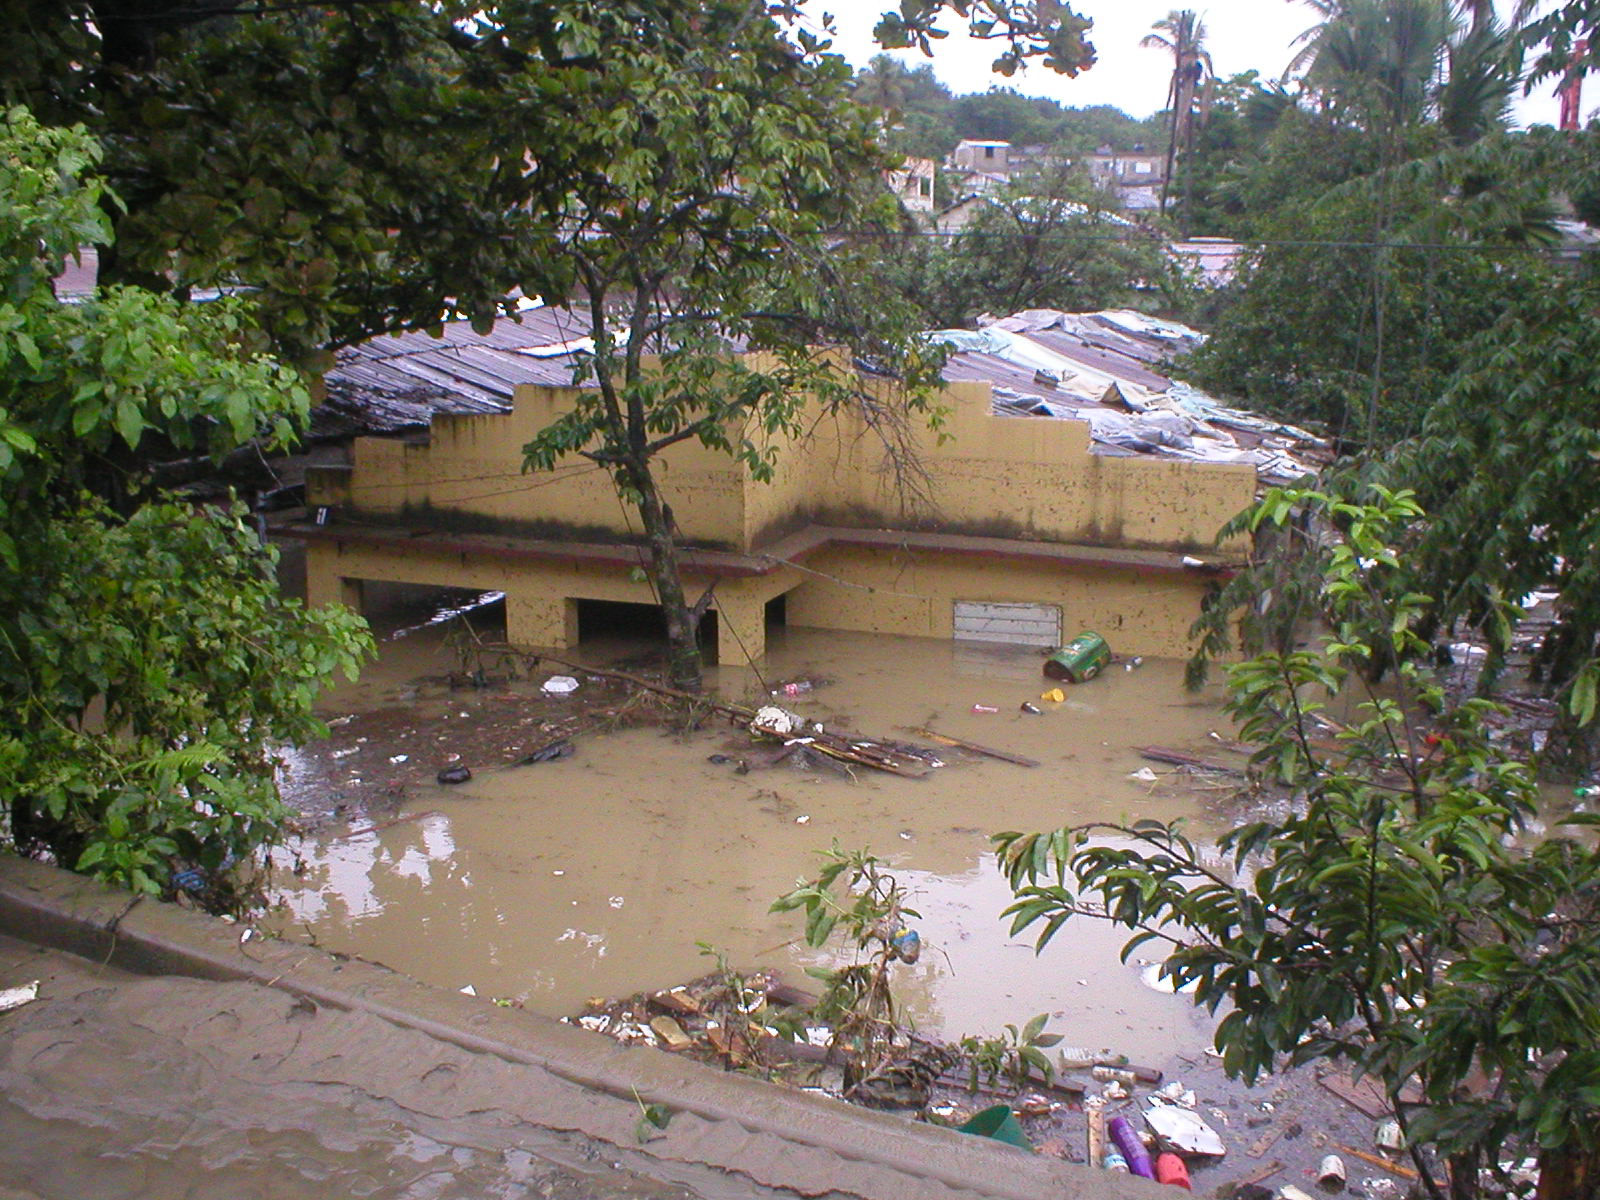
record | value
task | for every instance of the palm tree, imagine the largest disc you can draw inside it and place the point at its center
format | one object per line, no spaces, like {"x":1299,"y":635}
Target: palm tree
{"x":1182,"y":34}
{"x":883,"y":83}
{"x":1387,"y":64}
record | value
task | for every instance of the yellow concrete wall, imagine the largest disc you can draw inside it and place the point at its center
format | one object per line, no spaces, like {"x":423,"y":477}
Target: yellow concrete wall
{"x":1039,"y":476}
{"x":473,"y":465}
{"x":1024,"y":477}
{"x":914,"y":593}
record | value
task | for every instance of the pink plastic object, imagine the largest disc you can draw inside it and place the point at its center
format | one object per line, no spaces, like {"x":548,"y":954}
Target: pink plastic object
{"x":1172,"y":1169}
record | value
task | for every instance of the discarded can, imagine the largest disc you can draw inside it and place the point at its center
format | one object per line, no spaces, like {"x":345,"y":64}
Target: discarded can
{"x":1080,"y":660}
{"x":1171,"y":1169}
{"x":1030,"y":707}
{"x":1113,"y":1160}
{"x":1132,"y":1148}
{"x":1331,"y":1173}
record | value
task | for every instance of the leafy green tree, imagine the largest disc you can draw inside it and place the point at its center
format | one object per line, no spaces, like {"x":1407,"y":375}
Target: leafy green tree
{"x":1232,"y":131}
{"x":371,"y":165}
{"x":1356,"y":311}
{"x":148,"y":666}
{"x":1048,"y":240}
{"x":1508,"y":463}
{"x":1399,"y":915}
{"x":1324,"y":328}
{"x":731,"y":158}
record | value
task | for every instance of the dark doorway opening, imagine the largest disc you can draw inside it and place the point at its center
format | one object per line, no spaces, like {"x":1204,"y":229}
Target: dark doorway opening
{"x":620,"y":622}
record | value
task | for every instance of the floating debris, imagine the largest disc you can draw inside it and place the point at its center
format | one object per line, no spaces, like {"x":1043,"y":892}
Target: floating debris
{"x":18,"y":996}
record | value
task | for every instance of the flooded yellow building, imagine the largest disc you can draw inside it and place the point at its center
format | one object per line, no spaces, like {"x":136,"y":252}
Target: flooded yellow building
{"x":1018,"y":528}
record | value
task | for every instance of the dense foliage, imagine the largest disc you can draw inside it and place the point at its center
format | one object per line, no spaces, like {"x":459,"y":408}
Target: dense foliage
{"x":1395,"y":914}
{"x":678,"y":263}
{"x":1047,"y":240}
{"x":1508,"y":464}
{"x":1392,"y":218}
{"x":924,"y":119}
{"x":370,"y":165}
{"x":148,"y":666}
{"x":1355,"y":312}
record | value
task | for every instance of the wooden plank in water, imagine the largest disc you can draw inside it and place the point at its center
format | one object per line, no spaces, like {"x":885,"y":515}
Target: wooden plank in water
{"x":987,"y":751}
{"x":1178,"y":758}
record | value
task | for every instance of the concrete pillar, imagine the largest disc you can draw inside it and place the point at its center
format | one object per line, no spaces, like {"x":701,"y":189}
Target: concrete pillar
{"x":541,"y":621}
{"x":741,"y":626}
{"x":324,"y":584}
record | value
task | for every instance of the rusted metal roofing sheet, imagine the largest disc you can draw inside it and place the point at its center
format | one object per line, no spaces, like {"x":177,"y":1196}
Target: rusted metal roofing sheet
{"x":397,"y":382}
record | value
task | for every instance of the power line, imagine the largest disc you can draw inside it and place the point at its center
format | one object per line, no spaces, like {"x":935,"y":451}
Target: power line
{"x":1132,"y":238}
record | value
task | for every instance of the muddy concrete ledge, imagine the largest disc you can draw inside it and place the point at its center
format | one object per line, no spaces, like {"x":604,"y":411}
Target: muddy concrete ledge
{"x":789,"y":1141}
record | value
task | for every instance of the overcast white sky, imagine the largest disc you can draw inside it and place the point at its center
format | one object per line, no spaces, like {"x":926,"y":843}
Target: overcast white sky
{"x":1240,"y":34}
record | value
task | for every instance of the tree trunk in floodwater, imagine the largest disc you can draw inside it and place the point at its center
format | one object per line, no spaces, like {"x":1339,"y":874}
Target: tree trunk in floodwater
{"x":683,"y":641}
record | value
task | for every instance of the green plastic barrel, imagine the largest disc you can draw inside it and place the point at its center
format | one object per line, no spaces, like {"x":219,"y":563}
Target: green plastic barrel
{"x":1000,"y":1123}
{"x":1080,"y":660}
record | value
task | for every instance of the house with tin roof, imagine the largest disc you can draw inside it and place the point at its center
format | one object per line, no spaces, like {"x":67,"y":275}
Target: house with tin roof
{"x":1068,"y":487}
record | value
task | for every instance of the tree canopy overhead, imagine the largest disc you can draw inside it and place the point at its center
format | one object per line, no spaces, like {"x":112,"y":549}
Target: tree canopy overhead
{"x":371,"y":165}
{"x":710,"y":262}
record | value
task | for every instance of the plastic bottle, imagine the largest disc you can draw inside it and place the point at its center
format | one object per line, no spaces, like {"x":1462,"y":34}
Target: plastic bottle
{"x":1172,"y":1169}
{"x":1117,"y":1073}
{"x":1113,"y":1160}
{"x":1132,"y":1148}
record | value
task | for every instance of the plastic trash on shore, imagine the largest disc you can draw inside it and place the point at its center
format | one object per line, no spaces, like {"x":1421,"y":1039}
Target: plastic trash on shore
{"x":777,"y":722}
{"x":559,"y":685}
{"x":18,"y":996}
{"x":1186,"y":1132}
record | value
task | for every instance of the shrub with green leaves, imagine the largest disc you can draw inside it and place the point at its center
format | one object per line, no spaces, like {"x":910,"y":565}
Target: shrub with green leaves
{"x":1403,"y":915}
{"x":149,"y":667}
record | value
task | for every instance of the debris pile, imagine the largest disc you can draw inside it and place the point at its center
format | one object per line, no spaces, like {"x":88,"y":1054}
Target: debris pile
{"x":1108,"y":369}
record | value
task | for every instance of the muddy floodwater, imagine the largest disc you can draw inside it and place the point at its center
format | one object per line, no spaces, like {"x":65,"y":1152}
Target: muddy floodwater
{"x":604,"y":873}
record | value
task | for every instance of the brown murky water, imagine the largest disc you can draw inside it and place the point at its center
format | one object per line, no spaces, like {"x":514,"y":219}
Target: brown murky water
{"x":600,"y":874}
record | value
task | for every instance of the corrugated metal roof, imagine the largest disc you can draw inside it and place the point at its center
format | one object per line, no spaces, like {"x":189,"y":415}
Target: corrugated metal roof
{"x":1044,"y":363}
{"x":1040,"y":362}
{"x":397,"y":382}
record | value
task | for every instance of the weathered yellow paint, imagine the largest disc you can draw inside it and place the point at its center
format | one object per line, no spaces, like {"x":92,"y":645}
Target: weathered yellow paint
{"x":915,"y":593}
{"x":1013,"y":477}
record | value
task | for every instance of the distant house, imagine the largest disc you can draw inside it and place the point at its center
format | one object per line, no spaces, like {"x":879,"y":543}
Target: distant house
{"x":912,"y":184}
{"x":992,"y":158}
{"x":1136,"y":168}
{"x":953,"y":218}
{"x":982,"y":168}
{"x":1213,"y":259}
